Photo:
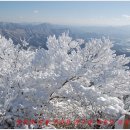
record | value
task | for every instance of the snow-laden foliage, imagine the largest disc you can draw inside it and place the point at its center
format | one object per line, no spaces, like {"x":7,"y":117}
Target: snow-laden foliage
{"x":66,"y":80}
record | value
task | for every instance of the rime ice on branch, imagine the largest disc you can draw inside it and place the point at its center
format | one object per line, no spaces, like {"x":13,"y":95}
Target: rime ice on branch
{"x":65,"y":78}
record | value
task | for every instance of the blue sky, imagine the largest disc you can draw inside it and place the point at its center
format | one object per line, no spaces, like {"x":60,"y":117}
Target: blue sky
{"x":72,"y":13}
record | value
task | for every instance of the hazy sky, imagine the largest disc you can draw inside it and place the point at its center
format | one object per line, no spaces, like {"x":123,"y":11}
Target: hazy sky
{"x":74,"y":13}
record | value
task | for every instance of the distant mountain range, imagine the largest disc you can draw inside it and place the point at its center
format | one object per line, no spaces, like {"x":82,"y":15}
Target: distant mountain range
{"x":36,"y":34}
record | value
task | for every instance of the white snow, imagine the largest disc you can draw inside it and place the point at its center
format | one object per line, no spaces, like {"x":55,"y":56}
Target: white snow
{"x":36,"y":80}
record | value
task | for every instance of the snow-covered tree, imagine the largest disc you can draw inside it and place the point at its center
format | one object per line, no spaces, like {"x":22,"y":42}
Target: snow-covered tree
{"x":66,"y":80}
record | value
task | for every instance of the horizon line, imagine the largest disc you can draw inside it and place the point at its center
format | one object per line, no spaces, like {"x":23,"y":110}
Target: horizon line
{"x":60,"y":24}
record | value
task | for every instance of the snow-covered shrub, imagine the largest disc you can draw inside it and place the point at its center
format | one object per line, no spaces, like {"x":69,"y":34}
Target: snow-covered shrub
{"x":65,"y":79}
